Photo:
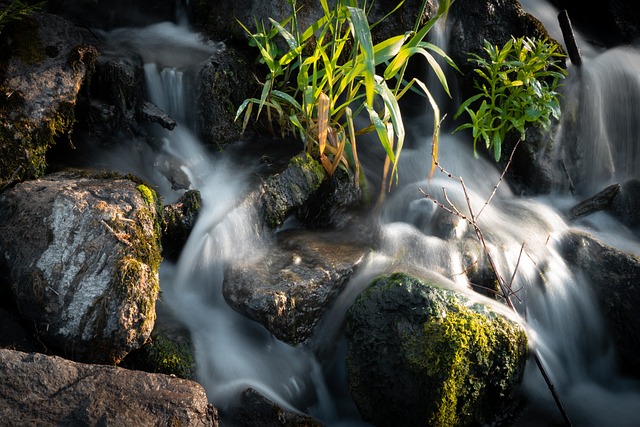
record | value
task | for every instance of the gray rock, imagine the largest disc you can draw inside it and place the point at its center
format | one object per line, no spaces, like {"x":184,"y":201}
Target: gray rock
{"x":83,"y":256}
{"x":293,"y":285}
{"x":626,"y":204}
{"x":286,"y":192}
{"x":179,"y":219}
{"x":257,"y":410}
{"x":422,"y":355}
{"x":42,"y":78}
{"x":613,"y":274}
{"x":48,"y":390}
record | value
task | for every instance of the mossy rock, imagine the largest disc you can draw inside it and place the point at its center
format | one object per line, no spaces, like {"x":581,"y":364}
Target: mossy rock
{"x":164,"y":356}
{"x":423,"y":355}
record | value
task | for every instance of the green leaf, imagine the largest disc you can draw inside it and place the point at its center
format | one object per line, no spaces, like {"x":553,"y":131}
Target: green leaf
{"x":362,"y":34}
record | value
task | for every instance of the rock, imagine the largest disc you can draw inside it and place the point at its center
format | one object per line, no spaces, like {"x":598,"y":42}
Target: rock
{"x":257,"y":410}
{"x":83,"y":255}
{"x":608,"y":22}
{"x":220,"y":19}
{"x":179,"y":219}
{"x":613,"y":275}
{"x":153,"y":113}
{"x":290,"y":289}
{"x":422,"y":355}
{"x":626,"y":204}
{"x":224,"y":82}
{"x":44,"y":66}
{"x":286,"y":192}
{"x":48,"y":390}
{"x":473,"y":21}
{"x":106,"y":15}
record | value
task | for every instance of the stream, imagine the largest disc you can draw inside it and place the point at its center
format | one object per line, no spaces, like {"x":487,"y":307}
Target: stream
{"x":234,"y":352}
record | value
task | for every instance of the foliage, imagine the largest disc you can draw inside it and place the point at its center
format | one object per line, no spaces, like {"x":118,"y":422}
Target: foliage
{"x":15,"y":11}
{"x":517,"y":87}
{"x":327,"y":75}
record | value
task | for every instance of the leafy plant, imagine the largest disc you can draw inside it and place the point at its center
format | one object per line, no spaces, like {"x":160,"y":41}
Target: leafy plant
{"x":517,"y":87}
{"x":15,"y":11}
{"x":327,"y":75}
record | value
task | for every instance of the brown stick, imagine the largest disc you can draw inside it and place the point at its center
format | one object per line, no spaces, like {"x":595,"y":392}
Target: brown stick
{"x":569,"y":38}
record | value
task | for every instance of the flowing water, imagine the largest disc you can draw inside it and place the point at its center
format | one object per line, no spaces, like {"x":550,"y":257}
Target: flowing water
{"x":234,"y":353}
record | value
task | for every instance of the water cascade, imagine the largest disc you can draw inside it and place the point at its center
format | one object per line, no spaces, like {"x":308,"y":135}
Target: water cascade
{"x":234,"y":353}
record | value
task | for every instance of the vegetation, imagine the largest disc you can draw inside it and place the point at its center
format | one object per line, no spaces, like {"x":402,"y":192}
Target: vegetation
{"x":15,"y":11}
{"x":517,"y":87}
{"x":327,"y":75}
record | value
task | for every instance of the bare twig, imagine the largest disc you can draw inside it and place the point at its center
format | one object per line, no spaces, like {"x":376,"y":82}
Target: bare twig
{"x":506,"y":290}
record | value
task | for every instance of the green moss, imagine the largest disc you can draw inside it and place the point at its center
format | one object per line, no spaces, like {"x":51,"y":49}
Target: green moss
{"x":147,"y":194}
{"x":461,"y":348}
{"x":26,"y":40}
{"x":168,"y":357}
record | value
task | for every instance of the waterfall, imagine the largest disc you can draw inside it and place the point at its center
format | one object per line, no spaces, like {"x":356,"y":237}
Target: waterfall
{"x":234,"y":352}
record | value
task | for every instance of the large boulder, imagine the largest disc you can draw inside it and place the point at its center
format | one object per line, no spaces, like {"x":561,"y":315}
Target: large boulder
{"x":48,"y":390}
{"x":471,"y":23}
{"x":422,"y":355}
{"x":613,"y":276}
{"x":82,"y":257}
{"x":291,"y":288}
{"x":43,"y":65}
{"x":220,"y":18}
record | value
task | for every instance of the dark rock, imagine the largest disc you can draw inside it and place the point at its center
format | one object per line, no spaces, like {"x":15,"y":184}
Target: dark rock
{"x":153,"y":113}
{"x":224,"y":82}
{"x":38,"y":91}
{"x":286,"y":192}
{"x":626,"y":204}
{"x":179,"y":219}
{"x":105,"y":14}
{"x":423,"y":355}
{"x":83,"y":257}
{"x":472,"y":22}
{"x":48,"y":390}
{"x":607,"y":22}
{"x":220,"y":18}
{"x":601,"y":201}
{"x":613,"y":275}
{"x":257,"y":410}
{"x":293,"y":285}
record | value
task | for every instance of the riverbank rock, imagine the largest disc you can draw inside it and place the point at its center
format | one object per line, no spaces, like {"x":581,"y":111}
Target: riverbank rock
{"x":471,"y":22}
{"x":257,"y":410}
{"x":422,"y":355}
{"x":626,"y":204}
{"x":294,"y":284}
{"x":613,"y":275}
{"x":82,"y":257}
{"x":43,"y":65}
{"x":48,"y":390}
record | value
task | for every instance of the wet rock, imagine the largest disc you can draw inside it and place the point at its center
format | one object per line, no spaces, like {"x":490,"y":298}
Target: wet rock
{"x":626,"y":204}
{"x":179,"y":219}
{"x":613,"y":275}
{"x":257,"y":410}
{"x":473,"y":21}
{"x":607,"y":22}
{"x":422,"y":355}
{"x":220,"y":18}
{"x":83,"y":255}
{"x":290,"y":288}
{"x":225,"y":81}
{"x":286,"y":192}
{"x":108,"y":14}
{"x":44,"y":66}
{"x":48,"y":390}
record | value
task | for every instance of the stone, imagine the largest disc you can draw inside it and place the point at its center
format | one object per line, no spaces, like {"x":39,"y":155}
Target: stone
{"x":626,"y":203}
{"x":286,"y":192}
{"x":49,"y":390}
{"x":291,"y":287}
{"x":179,"y":219}
{"x":613,"y":277}
{"x":82,"y":256}
{"x":44,"y":66}
{"x":257,"y":410}
{"x":420,"y":354}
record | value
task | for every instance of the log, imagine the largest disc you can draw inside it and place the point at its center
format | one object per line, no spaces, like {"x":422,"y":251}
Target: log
{"x":153,"y":113}
{"x":569,"y":38}
{"x":599,"y":202}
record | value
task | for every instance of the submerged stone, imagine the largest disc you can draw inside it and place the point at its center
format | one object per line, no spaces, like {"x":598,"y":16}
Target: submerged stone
{"x":423,"y":355}
{"x":82,"y":256}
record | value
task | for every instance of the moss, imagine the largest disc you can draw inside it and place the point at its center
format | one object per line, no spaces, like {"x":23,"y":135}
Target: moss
{"x":26,"y":40}
{"x":164,"y":356}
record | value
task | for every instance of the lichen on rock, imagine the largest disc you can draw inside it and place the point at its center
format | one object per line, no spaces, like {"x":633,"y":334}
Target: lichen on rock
{"x":423,"y":355}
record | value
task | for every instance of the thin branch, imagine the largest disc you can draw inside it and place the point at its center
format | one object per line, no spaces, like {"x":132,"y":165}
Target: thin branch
{"x":495,"y":188}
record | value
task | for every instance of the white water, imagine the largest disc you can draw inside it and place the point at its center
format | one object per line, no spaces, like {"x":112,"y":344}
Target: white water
{"x":234,"y":353}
